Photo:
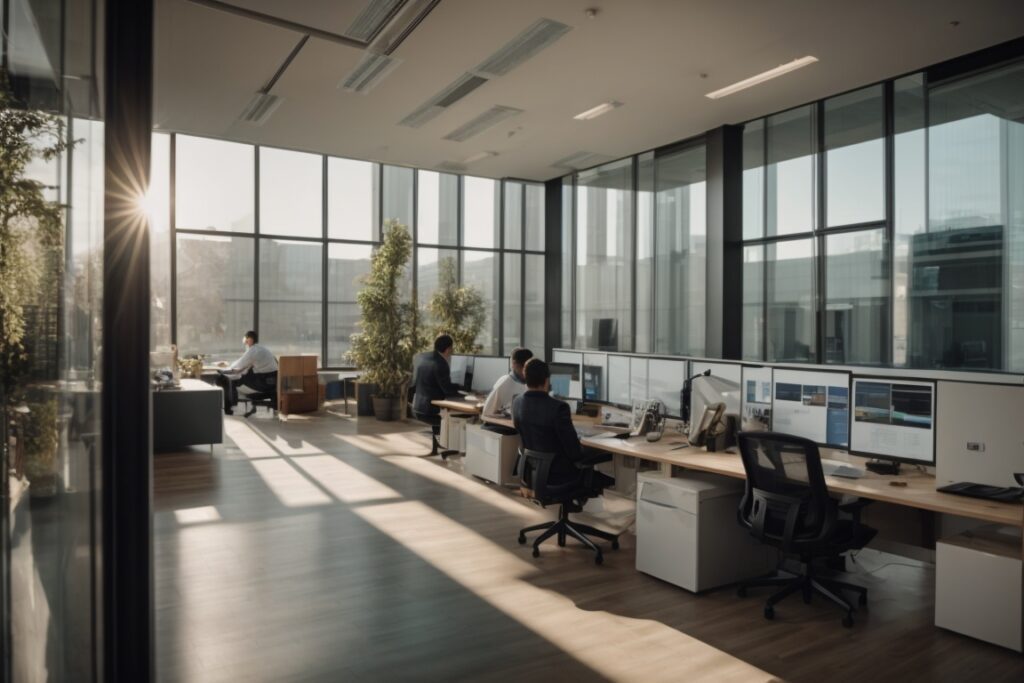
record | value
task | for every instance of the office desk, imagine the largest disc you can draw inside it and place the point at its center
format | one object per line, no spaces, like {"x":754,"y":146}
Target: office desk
{"x":457,"y":406}
{"x":187,"y":416}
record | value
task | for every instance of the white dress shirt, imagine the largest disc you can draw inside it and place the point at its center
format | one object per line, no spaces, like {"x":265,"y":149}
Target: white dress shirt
{"x":500,"y":399}
{"x":257,"y":357}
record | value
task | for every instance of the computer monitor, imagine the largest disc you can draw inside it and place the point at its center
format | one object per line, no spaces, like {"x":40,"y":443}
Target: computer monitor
{"x":604,"y":333}
{"x":756,"y":401}
{"x":814,"y":405}
{"x":459,"y":366}
{"x":708,"y":390}
{"x":665,"y":383}
{"x":486,"y":371}
{"x":593,"y":383}
{"x":893,"y":419}
{"x":565,"y":380}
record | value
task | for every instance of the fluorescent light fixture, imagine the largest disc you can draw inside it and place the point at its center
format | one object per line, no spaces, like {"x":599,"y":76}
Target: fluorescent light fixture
{"x":597,"y":111}
{"x":762,"y":77}
{"x":479,"y":157}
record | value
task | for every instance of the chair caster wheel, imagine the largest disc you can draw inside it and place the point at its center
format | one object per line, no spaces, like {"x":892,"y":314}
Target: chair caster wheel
{"x":769,"y":612}
{"x":863,"y":600}
{"x":561,"y":543}
{"x":599,"y":559}
{"x":615,"y":544}
{"x":848,"y":621}
{"x":522,"y":540}
{"x":536,"y":553}
{"x":741,"y":592}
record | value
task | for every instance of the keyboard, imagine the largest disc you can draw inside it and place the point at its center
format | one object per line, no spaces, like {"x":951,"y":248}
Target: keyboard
{"x":837,"y":468}
{"x":1004,"y":494}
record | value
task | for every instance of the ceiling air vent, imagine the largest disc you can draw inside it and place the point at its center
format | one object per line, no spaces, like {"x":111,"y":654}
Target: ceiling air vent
{"x":539,"y":35}
{"x":370,"y":71}
{"x":581,"y":160}
{"x":451,"y":166}
{"x":478,"y":124}
{"x":463,"y":85}
{"x":372,"y":19}
{"x":260,"y":108}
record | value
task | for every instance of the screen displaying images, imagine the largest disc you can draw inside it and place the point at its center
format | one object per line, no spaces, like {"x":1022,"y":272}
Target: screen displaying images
{"x":757,"y":399}
{"x":894,"y":418}
{"x":565,"y":380}
{"x":814,"y":405}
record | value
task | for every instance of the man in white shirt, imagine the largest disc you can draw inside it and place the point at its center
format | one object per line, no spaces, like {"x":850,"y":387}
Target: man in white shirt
{"x":499,"y":401}
{"x":257,"y":369}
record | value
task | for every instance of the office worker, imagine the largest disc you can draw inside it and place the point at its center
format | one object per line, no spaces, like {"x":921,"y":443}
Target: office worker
{"x":257,"y":369}
{"x":545,"y":424}
{"x":508,"y":386}
{"x":432,"y":379}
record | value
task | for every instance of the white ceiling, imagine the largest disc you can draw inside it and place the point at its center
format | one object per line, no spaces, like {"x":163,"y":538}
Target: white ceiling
{"x":648,"y":54}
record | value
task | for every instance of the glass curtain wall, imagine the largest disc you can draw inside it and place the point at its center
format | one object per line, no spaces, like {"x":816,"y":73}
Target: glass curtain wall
{"x":280,"y":245}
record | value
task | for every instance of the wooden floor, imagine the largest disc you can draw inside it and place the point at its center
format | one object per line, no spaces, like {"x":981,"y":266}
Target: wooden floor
{"x":321,"y":550}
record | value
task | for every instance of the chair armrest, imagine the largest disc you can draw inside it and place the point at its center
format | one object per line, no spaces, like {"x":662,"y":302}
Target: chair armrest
{"x":854,"y":507}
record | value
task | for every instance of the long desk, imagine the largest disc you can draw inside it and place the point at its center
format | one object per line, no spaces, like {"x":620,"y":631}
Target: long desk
{"x":456,"y":406}
{"x":918,"y":493}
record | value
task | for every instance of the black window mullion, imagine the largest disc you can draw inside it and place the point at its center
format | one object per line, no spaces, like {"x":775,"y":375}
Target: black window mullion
{"x":633,"y":268}
{"x":764,"y":234}
{"x":256,"y":237}
{"x":522,"y":268}
{"x":173,"y":196}
{"x":324,"y":264}
{"x":819,"y":254}
{"x":501,"y":269}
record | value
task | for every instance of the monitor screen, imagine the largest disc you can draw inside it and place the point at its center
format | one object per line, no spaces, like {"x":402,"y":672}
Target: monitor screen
{"x":593,"y":379}
{"x":459,"y":365}
{"x":665,"y":383}
{"x":565,"y":380}
{"x":894,"y":419}
{"x":486,"y":371}
{"x":814,"y":405}
{"x":756,"y":399}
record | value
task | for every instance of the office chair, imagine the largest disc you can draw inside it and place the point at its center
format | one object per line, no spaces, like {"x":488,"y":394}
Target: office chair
{"x":255,"y":399}
{"x":534,"y":468}
{"x":786,"y":504}
{"x":435,"y":428}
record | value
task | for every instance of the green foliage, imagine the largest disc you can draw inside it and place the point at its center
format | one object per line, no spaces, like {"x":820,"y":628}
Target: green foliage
{"x":457,"y":311}
{"x":31,"y":228}
{"x":389,"y":339}
{"x":40,"y":436}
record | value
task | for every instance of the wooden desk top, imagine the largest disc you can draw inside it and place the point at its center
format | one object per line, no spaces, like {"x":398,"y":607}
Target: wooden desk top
{"x":918,"y":493}
{"x":458,"y":406}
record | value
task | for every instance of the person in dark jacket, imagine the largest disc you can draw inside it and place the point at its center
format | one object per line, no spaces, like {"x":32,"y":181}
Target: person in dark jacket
{"x":432,"y":378}
{"x":545,"y":424}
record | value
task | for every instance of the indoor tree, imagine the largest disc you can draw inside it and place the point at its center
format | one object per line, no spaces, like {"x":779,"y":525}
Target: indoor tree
{"x":457,"y":311}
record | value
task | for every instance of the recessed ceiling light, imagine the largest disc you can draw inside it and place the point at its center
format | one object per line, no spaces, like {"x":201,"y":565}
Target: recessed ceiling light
{"x":762,"y":77}
{"x":597,"y":111}
{"x":479,"y":157}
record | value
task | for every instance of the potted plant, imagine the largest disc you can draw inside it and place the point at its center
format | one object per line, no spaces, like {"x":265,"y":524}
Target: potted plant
{"x":383,"y":350}
{"x":457,"y":311}
{"x":31,"y":260}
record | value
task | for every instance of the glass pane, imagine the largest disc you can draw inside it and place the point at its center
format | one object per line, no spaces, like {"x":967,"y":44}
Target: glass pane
{"x":791,"y":308}
{"x":753,"y":180}
{"x":681,"y":243}
{"x":967,"y":270}
{"x":753,"y":303}
{"x":604,"y":257}
{"x":158,"y":207}
{"x":398,"y":195}
{"x":513,"y":215}
{"x":513,"y":332}
{"x":568,"y":223}
{"x":428,"y":272}
{"x":480,"y":270}
{"x":291,"y":292}
{"x":855,"y":157}
{"x":352,"y":199}
{"x":645,"y":294}
{"x":291,"y":193}
{"x":857,"y":291}
{"x":437,"y":215}
{"x":480,"y":200}
{"x":909,"y":198}
{"x":791,"y":182}
{"x":346,"y":265}
{"x":533,"y":221}
{"x":214,"y":296}
{"x":533,"y":301}
{"x":214,"y":185}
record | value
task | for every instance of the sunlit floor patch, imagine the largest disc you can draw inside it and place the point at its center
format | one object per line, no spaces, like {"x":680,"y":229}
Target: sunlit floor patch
{"x":498,"y":576}
{"x":206,"y":513}
{"x":250,"y":442}
{"x":290,"y":487}
{"x":343,"y":481}
{"x":399,"y":443}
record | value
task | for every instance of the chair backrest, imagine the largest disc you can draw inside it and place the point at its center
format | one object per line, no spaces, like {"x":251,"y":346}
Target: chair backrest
{"x":786,"y":499}
{"x":534,"y":469}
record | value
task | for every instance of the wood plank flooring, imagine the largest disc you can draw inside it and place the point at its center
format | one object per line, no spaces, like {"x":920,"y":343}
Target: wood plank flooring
{"x":321,"y":549}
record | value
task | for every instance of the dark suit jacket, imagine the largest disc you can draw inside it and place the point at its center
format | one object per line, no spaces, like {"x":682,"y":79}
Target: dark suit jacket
{"x":433,"y":381}
{"x":545,"y":424}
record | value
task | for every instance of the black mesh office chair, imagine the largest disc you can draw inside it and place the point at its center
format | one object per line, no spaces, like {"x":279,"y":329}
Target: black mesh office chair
{"x":266,"y":399}
{"x":534,"y":468}
{"x":787,"y":505}
{"x":435,"y":427}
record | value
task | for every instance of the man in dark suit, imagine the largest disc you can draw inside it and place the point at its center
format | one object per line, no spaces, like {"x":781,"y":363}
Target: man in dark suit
{"x":432,"y":378}
{"x":545,"y":424}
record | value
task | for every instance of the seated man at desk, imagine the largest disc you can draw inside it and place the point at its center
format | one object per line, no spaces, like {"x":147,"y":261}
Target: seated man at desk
{"x":545,"y":424}
{"x":256,"y":369}
{"x":432,"y":378}
{"x":508,"y":386}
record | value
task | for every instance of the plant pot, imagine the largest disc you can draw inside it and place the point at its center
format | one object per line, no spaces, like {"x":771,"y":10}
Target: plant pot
{"x":42,"y":485}
{"x":384,"y":408}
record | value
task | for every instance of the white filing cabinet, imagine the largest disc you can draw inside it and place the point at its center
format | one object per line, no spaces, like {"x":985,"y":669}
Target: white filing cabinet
{"x":453,"y":431}
{"x":490,"y":455}
{"x":978,"y":585}
{"x":687,"y":533}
